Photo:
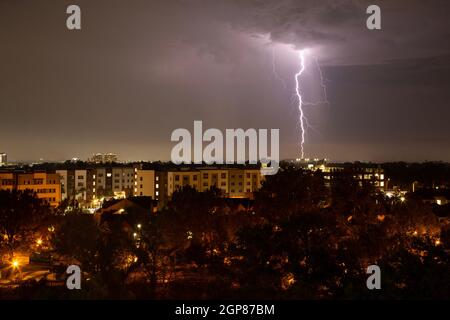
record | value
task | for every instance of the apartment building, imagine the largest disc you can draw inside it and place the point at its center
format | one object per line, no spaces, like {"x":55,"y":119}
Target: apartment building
{"x":85,"y":185}
{"x":89,"y":184}
{"x":47,"y":186}
{"x":234,"y":182}
{"x":145,"y":183}
{"x":103,"y":158}
{"x":362,"y":172}
{"x":3,"y":159}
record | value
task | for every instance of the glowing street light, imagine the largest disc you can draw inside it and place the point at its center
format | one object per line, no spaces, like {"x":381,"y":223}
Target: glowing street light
{"x":15,"y":264}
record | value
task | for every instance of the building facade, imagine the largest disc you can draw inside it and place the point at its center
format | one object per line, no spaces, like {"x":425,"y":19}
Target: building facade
{"x":233,"y":182}
{"x":47,"y":186}
{"x":3,"y":159}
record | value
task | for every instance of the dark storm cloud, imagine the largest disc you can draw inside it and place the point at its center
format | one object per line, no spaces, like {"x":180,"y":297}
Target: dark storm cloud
{"x":140,"y":69}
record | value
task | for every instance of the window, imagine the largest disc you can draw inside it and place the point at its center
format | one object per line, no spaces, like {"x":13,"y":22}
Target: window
{"x":100,"y":175}
{"x":157,"y":178}
{"x":108,"y":175}
{"x":248,"y":183}
{"x":80,"y":184}
{"x":223,"y":175}
{"x":157,"y":193}
{"x":205,"y":184}
{"x":205,"y":176}
{"x":141,"y":179}
{"x":157,"y":186}
{"x":177,"y":178}
{"x":223,"y":183}
{"x":248,"y":175}
{"x":140,"y":186}
{"x":80,"y":177}
{"x":194,"y":177}
{"x":116,"y":175}
{"x":240,"y":183}
{"x":116,"y":181}
{"x":248,"y":190}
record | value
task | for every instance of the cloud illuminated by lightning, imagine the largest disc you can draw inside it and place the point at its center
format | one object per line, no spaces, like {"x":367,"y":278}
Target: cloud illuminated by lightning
{"x":301,"y":103}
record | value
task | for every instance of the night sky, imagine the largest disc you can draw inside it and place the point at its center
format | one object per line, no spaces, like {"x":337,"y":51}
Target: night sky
{"x":140,"y":69}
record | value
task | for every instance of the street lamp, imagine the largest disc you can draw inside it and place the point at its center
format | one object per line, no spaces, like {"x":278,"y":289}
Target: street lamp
{"x":15,"y":264}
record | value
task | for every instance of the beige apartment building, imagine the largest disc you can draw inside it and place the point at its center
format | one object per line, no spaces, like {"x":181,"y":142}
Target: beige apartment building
{"x":47,"y":186}
{"x":145,"y":183}
{"x":234,"y":183}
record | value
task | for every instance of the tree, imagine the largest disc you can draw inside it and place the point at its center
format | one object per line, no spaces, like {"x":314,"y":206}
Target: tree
{"x":194,"y":214}
{"x":289,"y":192}
{"x":21,"y":213}
{"x":102,"y":250}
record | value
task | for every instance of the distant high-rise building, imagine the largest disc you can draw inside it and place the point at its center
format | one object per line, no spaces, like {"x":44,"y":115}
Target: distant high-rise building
{"x":3,"y":159}
{"x":104,"y":158}
{"x":110,"y":157}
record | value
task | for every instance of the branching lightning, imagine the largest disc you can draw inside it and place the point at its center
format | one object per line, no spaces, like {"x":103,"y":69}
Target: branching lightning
{"x":301,"y":103}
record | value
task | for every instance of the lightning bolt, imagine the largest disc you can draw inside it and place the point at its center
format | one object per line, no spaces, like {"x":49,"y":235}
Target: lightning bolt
{"x":301,"y":103}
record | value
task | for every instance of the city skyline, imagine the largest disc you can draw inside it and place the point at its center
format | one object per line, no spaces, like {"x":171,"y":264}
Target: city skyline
{"x":134,"y":73}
